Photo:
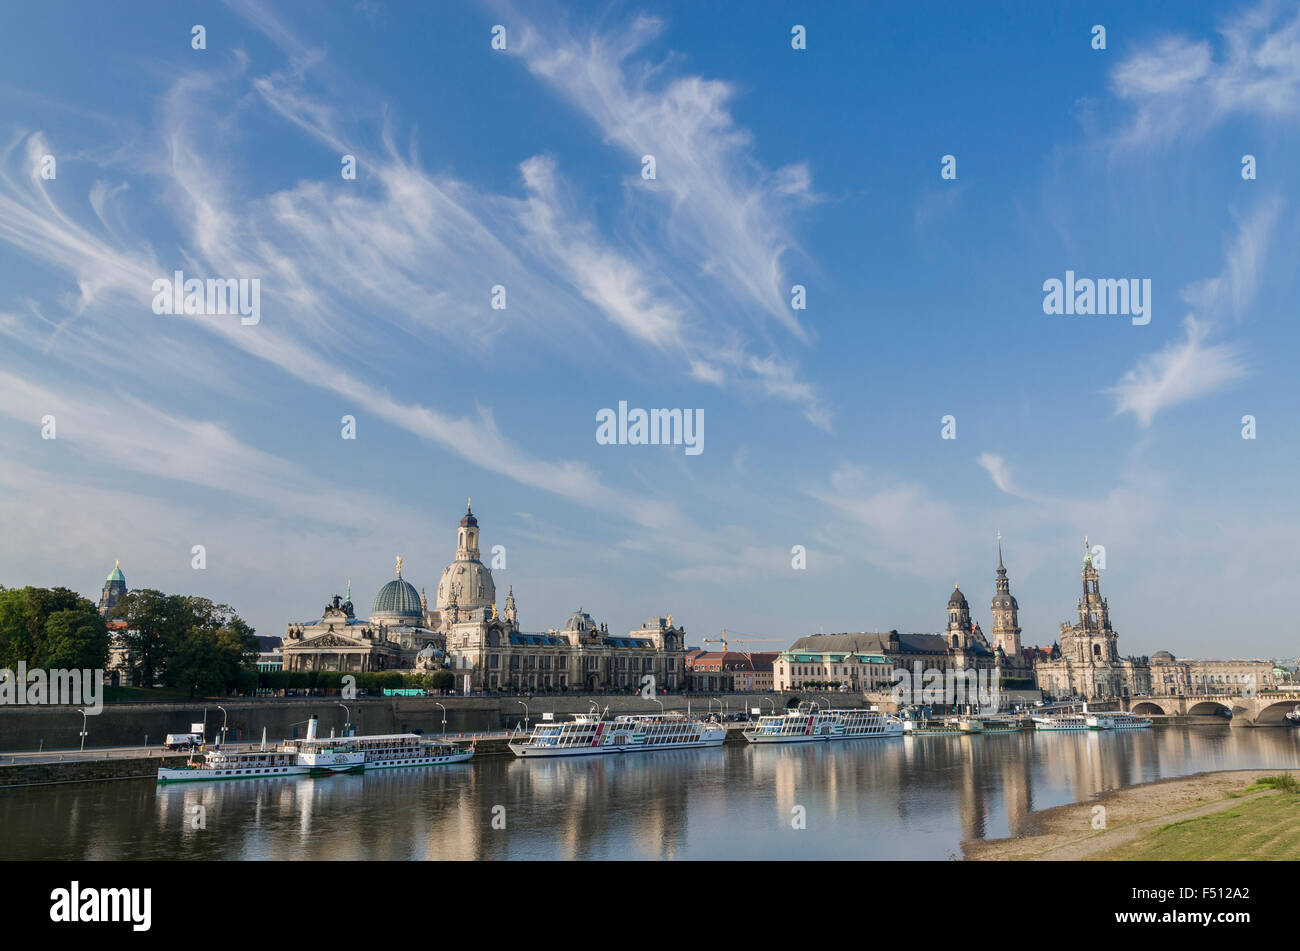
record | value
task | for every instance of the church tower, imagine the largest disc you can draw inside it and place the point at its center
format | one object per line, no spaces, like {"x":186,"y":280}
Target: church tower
{"x":467,"y":536}
{"x":114,"y":588}
{"x":959,"y":626}
{"x":1006,"y":613}
{"x":1095,"y":639}
{"x":467,"y":581}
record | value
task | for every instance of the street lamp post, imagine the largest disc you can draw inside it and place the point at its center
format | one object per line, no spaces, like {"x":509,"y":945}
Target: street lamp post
{"x":224,"y":719}
{"x":444,"y":715}
{"x":347,"y":718}
{"x":83,"y":729}
{"x":525,"y":706}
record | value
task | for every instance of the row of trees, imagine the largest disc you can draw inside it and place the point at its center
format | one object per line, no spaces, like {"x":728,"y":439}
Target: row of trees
{"x":171,"y":640}
{"x":50,"y":628}
{"x":186,"y":643}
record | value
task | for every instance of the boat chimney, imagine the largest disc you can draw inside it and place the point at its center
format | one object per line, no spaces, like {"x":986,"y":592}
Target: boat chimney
{"x":311,"y":728}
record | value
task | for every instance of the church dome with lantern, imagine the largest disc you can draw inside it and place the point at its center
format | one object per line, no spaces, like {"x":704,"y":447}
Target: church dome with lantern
{"x":467,"y":580}
{"x":397,"y":602}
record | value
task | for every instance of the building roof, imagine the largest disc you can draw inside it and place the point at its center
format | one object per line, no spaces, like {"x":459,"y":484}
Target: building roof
{"x":116,"y":573}
{"x":398,"y":598}
{"x":877,"y":643}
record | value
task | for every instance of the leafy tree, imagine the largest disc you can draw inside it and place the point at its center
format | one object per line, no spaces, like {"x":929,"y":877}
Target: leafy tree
{"x":76,"y":638}
{"x":155,"y":625}
{"x":50,"y":628}
{"x":186,"y":642}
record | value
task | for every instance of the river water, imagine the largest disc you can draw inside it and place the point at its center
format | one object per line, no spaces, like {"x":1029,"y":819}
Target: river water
{"x":914,"y":798}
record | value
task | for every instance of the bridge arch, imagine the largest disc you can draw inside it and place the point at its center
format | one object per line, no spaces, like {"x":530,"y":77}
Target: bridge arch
{"x":1274,"y":714}
{"x":1209,"y":708}
{"x":1149,"y":708}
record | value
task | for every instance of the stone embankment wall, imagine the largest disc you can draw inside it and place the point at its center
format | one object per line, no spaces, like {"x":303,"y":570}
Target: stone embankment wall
{"x":85,"y":771}
{"x":128,"y":724}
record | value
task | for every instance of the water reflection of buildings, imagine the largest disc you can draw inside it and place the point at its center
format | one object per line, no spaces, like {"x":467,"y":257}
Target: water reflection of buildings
{"x":897,"y":798}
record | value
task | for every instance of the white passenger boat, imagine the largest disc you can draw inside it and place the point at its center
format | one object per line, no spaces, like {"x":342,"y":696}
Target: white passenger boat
{"x":921,"y":726}
{"x":1063,"y":722}
{"x":807,"y":724}
{"x":385,"y":751}
{"x":999,"y":724}
{"x":590,"y":734}
{"x":1118,"y":721}
{"x":224,"y":764}
{"x":318,"y":756}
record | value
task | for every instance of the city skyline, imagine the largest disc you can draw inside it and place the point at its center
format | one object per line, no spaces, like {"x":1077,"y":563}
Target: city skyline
{"x":523,"y":168}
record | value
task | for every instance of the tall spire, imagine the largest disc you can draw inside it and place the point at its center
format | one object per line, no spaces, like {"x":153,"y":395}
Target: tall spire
{"x":1000,"y":566}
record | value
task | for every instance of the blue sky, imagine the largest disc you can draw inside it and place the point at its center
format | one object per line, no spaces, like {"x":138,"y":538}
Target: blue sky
{"x":774,"y":167}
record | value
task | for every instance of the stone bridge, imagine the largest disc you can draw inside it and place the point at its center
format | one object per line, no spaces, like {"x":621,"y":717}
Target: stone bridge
{"x":1266,"y":708}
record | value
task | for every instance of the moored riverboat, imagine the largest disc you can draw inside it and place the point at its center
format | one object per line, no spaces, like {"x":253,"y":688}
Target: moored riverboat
{"x":591,"y":734}
{"x":808,"y":724}
{"x":318,"y":756}
{"x":225,"y":764}
{"x":1063,"y":723}
{"x":1118,"y":721}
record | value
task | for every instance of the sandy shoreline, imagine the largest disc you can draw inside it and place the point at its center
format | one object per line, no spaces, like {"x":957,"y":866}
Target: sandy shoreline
{"x":1065,"y":833}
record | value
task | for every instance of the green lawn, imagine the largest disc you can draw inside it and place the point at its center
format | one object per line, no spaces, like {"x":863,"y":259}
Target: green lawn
{"x":1267,"y":828}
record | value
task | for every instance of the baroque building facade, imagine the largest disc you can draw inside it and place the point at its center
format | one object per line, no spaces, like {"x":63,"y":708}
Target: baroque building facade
{"x":484,"y":647}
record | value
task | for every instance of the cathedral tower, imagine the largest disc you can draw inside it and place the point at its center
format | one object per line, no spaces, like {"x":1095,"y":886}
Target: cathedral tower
{"x":1006,"y":613}
{"x":1093,"y":640}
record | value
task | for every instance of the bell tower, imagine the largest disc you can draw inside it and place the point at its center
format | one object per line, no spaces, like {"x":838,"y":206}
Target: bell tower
{"x":1006,"y":613}
{"x":1096,"y":638}
{"x":959,"y":626}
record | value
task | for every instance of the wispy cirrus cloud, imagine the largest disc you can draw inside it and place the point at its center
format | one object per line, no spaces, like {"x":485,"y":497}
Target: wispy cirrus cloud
{"x":722,"y":216}
{"x":1192,"y":366}
{"x":1186,"y":369}
{"x":1181,"y":85}
{"x":998,"y":471}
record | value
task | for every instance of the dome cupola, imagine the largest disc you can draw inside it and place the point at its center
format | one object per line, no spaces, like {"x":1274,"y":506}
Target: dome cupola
{"x":397,"y":601}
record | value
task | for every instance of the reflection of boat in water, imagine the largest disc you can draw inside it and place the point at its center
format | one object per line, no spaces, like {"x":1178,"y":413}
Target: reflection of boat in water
{"x":316,"y":756}
{"x":807,"y":724}
{"x":589,"y":734}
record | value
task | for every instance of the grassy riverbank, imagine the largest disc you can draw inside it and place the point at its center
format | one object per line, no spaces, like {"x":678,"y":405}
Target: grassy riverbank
{"x":1236,"y":814}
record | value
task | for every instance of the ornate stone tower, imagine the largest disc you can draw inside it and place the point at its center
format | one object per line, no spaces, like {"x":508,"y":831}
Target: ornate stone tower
{"x":959,"y":627}
{"x":1092,"y":640}
{"x":114,"y":588}
{"x":512,"y":613}
{"x":467,"y":579}
{"x":1006,"y":613}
